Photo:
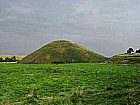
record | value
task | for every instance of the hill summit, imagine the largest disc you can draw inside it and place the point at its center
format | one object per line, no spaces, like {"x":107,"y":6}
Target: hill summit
{"x":62,"y":51}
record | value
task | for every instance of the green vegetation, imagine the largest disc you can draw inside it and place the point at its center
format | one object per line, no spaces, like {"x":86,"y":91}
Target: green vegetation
{"x":10,"y":57}
{"x":138,"y":51}
{"x":69,"y":84}
{"x":62,"y":52}
{"x":130,"y":50}
{"x":131,"y":59}
{"x":13,"y":59}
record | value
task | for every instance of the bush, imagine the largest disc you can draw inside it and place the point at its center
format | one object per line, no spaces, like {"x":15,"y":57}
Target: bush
{"x":7,"y":59}
{"x":1,"y":59}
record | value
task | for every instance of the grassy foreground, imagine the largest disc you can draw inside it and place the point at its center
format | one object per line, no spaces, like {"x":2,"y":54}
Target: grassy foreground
{"x":69,"y":84}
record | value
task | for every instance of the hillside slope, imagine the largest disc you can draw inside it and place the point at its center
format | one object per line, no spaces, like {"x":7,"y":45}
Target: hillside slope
{"x":62,"y":51}
{"x":133,"y":59}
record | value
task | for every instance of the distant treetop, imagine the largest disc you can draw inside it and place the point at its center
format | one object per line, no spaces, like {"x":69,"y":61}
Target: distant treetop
{"x":130,"y":50}
{"x":138,"y":51}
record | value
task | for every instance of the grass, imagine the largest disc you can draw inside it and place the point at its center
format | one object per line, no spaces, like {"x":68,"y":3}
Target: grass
{"x":131,"y":59}
{"x":130,"y":55}
{"x":69,"y":84}
{"x":62,"y":51}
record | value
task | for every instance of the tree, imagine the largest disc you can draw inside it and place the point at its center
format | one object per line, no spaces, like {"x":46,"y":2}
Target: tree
{"x":13,"y":58}
{"x":1,"y":59}
{"x":130,"y":50}
{"x":138,"y":51}
{"x":7,"y":59}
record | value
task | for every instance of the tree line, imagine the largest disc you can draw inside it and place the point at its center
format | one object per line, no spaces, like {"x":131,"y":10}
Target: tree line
{"x":131,"y":50}
{"x":7,"y":59}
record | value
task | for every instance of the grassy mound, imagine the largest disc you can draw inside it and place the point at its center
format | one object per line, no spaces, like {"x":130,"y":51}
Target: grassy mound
{"x":133,"y":59}
{"x":62,"y":52}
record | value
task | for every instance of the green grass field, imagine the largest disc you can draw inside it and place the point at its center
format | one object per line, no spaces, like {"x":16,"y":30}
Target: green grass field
{"x":69,"y":84}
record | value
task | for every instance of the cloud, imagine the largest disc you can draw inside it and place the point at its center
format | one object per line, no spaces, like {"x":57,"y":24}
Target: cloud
{"x":86,"y":6}
{"x":16,"y":7}
{"x":101,"y":23}
{"x":22,"y":9}
{"x":8,"y":18}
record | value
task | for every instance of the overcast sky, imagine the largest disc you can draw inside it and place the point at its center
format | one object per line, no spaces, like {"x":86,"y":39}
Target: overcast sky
{"x":107,"y":27}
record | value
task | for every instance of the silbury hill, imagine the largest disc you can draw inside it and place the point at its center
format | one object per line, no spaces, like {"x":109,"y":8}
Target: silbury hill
{"x":62,"y":51}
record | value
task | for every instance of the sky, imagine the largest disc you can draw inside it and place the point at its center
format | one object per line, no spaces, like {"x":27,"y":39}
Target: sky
{"x":108,"y":27}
